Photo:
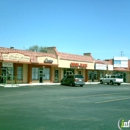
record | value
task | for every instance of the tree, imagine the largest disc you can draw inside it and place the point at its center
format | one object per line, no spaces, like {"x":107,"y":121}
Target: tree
{"x":43,"y":49}
{"x":36,"y":48}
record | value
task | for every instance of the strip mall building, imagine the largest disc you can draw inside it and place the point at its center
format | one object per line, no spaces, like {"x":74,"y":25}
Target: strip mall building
{"x":22,"y":66}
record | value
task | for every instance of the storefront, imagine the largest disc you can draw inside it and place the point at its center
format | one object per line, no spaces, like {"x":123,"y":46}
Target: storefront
{"x":75,"y":64}
{"x":125,"y":73}
{"x":19,"y":66}
{"x":101,"y":68}
{"x":121,"y":67}
{"x":44,"y":70}
{"x":22,"y":66}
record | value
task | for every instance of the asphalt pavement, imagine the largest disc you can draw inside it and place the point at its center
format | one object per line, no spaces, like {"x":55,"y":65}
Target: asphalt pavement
{"x":56,"y":107}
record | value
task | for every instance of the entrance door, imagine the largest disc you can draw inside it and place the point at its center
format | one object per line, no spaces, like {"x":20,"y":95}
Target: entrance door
{"x":56,"y":76}
{"x":40,"y":75}
{"x":4,"y":75}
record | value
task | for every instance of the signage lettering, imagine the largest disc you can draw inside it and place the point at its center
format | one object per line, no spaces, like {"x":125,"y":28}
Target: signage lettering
{"x":16,"y":57}
{"x":78,"y":65}
{"x":48,"y":61}
{"x":6,"y":64}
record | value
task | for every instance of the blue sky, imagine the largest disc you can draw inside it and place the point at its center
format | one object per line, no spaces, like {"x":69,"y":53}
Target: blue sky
{"x":101,"y":27}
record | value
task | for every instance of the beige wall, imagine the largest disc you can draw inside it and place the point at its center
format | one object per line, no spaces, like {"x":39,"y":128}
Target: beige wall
{"x":128,"y":77}
{"x":25,"y":73}
{"x":51,"y":51}
{"x":41,"y":59}
{"x":66,"y":64}
{"x":53,"y":74}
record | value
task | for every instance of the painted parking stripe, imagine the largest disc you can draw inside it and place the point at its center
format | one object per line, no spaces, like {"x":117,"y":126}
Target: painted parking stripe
{"x":107,"y":101}
{"x":93,"y":95}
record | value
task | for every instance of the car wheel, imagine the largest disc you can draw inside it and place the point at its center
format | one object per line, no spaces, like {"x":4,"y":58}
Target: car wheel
{"x":107,"y":83}
{"x":111,"y":82}
{"x":101,"y":82}
{"x":118,"y":84}
{"x":81,"y":85}
{"x":61,"y":83}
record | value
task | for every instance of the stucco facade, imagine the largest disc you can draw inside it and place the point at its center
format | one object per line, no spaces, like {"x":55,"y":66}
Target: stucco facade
{"x":22,"y":66}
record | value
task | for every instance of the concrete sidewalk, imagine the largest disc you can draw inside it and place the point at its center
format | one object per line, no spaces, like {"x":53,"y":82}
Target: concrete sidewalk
{"x":41,"y":84}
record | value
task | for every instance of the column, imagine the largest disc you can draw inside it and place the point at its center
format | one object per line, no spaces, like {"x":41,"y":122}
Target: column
{"x":51,"y":74}
{"x":30,"y":73}
{"x":15,"y":72}
{"x":86,"y":75}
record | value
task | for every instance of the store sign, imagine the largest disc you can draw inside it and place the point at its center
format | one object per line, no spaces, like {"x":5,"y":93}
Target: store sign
{"x":121,"y":62}
{"x":78,"y":65}
{"x":15,"y":57}
{"x":7,"y":64}
{"x":110,"y":67}
{"x":100,"y":67}
{"x":48,"y":61}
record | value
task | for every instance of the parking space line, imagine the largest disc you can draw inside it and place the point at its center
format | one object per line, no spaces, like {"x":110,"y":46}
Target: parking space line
{"x":107,"y":101}
{"x":93,"y":95}
{"x":15,"y":94}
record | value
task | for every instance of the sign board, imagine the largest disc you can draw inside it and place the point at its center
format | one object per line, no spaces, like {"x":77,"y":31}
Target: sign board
{"x":121,"y":62}
{"x":15,"y":57}
{"x":78,"y":65}
{"x":7,"y":64}
{"x":48,"y":61}
{"x":110,"y":67}
{"x":100,"y":67}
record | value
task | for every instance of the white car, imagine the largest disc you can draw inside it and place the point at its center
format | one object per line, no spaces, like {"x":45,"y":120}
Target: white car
{"x":112,"y":79}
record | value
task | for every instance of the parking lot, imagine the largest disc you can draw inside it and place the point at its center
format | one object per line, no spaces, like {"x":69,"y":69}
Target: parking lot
{"x":92,"y":107}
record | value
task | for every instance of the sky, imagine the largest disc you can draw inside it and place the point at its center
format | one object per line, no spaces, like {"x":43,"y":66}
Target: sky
{"x":100,"y":27}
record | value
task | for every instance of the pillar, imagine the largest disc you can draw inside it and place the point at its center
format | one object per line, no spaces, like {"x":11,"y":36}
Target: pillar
{"x":86,"y":75}
{"x":15,"y":72}
{"x":30,"y":73}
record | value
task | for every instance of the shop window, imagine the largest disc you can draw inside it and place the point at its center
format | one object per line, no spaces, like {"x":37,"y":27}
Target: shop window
{"x":56,"y":75}
{"x":79,"y":72}
{"x":93,"y":75}
{"x":20,"y":73}
{"x":10,"y":73}
{"x":46,"y":72}
{"x":35,"y":73}
{"x":101,"y":74}
{"x":68,"y":72}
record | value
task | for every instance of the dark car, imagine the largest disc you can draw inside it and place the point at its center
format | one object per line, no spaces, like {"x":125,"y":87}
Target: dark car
{"x":73,"y":80}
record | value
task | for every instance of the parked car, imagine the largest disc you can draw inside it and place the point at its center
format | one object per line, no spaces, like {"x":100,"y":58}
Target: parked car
{"x":112,"y":79}
{"x":73,"y":80}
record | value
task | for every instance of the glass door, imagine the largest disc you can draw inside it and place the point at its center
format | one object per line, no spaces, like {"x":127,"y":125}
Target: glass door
{"x":40,"y":75}
{"x":4,"y":75}
{"x":56,"y":76}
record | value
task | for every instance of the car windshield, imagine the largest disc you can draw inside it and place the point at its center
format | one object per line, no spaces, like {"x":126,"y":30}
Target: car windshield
{"x":79,"y":76}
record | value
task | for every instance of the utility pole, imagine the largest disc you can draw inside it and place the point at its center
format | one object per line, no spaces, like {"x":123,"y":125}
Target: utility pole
{"x":121,"y":53}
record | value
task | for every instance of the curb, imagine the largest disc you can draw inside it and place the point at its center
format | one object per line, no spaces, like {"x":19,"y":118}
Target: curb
{"x":39,"y":84}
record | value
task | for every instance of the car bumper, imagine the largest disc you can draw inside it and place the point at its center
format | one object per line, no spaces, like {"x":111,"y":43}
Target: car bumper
{"x":79,"y":83}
